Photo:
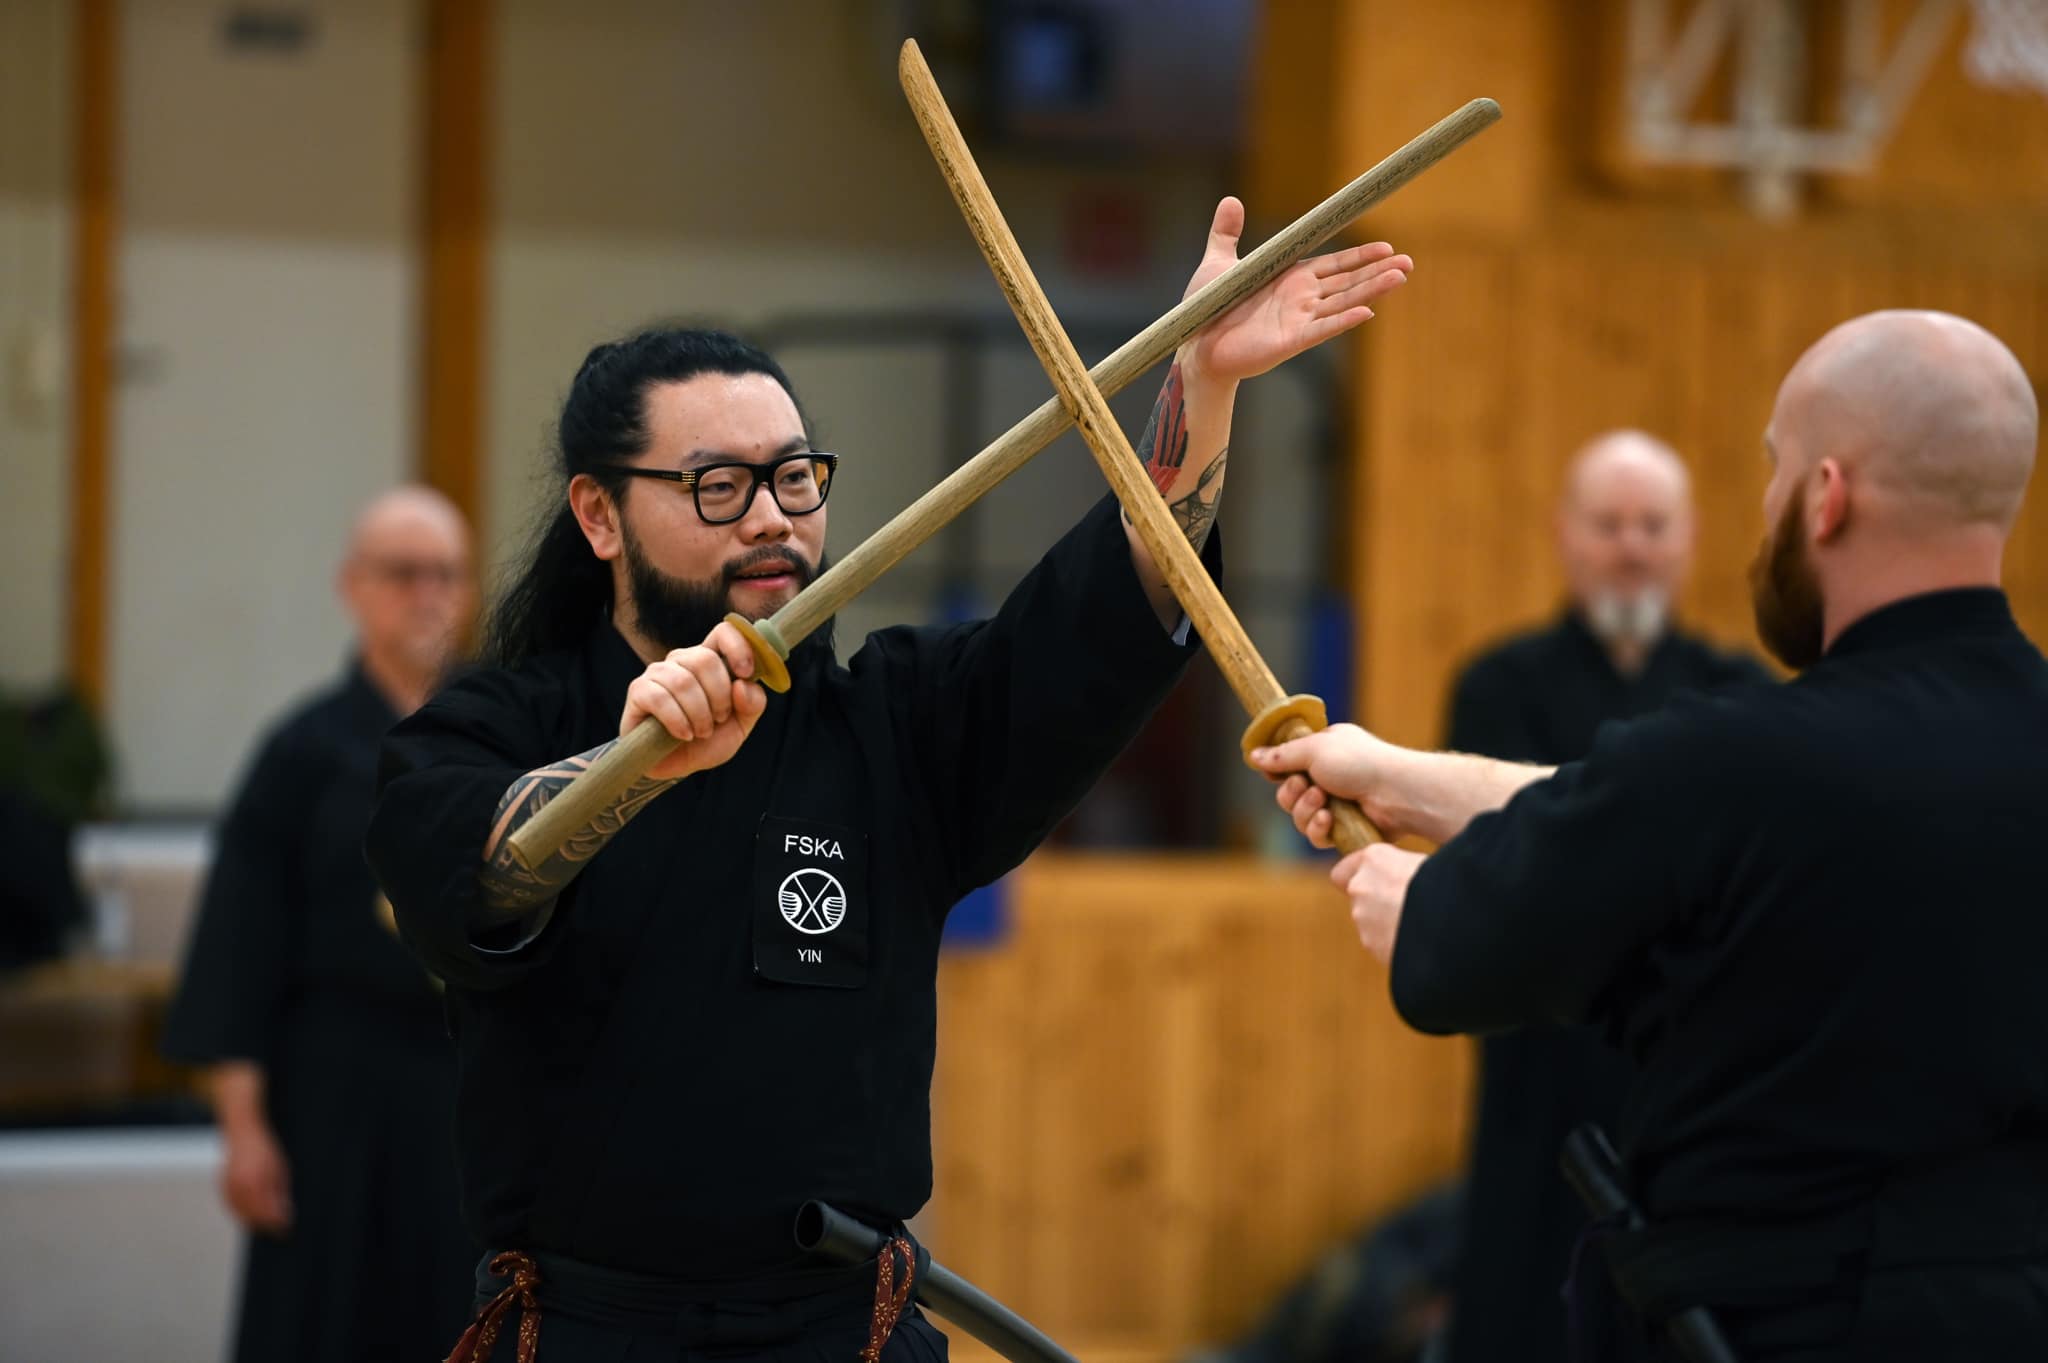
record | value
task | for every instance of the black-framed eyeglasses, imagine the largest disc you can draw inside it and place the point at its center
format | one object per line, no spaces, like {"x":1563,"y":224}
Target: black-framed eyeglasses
{"x":723,"y":492}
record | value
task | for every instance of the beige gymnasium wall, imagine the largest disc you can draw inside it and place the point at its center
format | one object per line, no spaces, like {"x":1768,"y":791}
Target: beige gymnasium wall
{"x":35,"y":303}
{"x":265,"y":284}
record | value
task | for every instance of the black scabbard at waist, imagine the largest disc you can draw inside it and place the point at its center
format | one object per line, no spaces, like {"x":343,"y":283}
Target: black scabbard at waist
{"x":1986,"y":1207}
{"x":832,"y":1235}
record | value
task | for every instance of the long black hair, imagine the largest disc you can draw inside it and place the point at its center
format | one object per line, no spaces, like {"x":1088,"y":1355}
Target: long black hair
{"x":563,"y":589}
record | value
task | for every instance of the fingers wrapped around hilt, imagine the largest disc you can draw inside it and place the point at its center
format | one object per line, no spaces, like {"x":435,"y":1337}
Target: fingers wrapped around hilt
{"x":771,"y":655}
{"x":1295,"y":717}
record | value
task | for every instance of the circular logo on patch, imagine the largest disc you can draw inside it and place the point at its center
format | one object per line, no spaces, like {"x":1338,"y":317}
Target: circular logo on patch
{"x":812,"y":900}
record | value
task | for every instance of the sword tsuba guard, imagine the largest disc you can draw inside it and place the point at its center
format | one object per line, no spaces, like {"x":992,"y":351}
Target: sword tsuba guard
{"x":1265,"y":727}
{"x":770,"y":667}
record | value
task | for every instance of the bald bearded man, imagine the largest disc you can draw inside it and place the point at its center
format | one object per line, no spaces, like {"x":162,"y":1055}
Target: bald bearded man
{"x":1624,"y":533}
{"x":327,"y":1061}
{"x":1813,"y":914}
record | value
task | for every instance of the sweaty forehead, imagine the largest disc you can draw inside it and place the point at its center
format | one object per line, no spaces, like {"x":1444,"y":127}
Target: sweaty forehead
{"x":712,"y":416}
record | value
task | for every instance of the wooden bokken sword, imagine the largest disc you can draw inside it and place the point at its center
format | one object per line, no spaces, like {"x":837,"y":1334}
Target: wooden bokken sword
{"x":1276,"y":716}
{"x":628,"y":760}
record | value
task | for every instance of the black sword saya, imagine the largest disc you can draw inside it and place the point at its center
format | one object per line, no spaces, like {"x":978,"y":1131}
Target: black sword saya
{"x":832,"y":1234}
{"x":1594,"y":1171}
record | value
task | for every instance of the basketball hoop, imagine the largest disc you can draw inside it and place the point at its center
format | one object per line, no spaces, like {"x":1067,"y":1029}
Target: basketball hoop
{"x":2008,"y":44}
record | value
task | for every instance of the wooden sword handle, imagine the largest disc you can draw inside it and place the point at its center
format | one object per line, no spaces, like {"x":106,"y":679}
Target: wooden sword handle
{"x":603,"y":782}
{"x":597,"y":788}
{"x":1295,"y":717}
{"x":1349,"y":828}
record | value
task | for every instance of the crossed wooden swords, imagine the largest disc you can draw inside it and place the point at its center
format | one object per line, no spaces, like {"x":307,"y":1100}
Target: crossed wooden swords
{"x":1082,"y":402}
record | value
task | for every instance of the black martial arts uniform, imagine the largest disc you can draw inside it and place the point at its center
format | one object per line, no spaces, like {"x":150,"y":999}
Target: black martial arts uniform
{"x":1540,"y":697}
{"x":291,"y":966}
{"x":732,"y":1008}
{"x":1816,"y":916}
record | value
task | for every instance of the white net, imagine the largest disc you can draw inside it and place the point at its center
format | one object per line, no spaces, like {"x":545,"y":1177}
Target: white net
{"x":2008,"y":44}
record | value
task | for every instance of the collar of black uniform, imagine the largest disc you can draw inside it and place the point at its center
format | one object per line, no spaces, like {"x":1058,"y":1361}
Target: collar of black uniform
{"x":363,"y":695}
{"x":612,"y":658}
{"x":1958,"y":612}
{"x":1572,"y":625}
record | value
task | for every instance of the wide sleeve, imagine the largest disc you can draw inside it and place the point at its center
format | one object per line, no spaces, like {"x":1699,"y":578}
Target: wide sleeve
{"x":1535,"y":911}
{"x":441,"y":774}
{"x":1010,"y":720}
{"x":240,"y":959}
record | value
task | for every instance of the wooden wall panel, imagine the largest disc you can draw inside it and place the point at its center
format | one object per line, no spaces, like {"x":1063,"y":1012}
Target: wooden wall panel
{"x":94,"y":319}
{"x":455,"y":251}
{"x":1175,"y":1086}
{"x":1521,"y":351}
{"x":1605,"y":294}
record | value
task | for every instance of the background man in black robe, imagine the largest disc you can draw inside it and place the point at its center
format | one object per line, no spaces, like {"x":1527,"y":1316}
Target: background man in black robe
{"x":719,"y":999}
{"x":1624,"y":538}
{"x":327,"y":1060}
{"x":1812,"y":913}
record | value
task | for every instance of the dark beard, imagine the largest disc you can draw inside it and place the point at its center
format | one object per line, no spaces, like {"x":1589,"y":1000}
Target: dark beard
{"x":1784,"y":592}
{"x":677,"y":612}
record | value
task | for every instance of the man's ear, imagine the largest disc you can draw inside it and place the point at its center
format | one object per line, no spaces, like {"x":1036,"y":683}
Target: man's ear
{"x":598,"y":514}
{"x":1829,"y":506}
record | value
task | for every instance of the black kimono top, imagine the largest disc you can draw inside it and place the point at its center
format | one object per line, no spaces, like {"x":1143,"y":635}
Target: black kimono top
{"x":1541,"y":696}
{"x":1813,"y":913}
{"x":732,"y":1009}
{"x":290,"y":959}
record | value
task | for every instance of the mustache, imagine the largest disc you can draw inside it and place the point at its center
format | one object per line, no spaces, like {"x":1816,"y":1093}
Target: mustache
{"x":769,"y":555}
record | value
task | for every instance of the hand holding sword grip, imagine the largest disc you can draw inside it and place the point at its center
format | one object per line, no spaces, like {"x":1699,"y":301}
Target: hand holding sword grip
{"x":1349,"y":828}
{"x":628,"y":760}
{"x":771,"y":665}
{"x":1297,"y":717}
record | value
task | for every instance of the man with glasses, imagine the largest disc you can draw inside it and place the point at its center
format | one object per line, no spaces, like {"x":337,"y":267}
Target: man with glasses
{"x":718,"y":1000}
{"x":325,"y":1055}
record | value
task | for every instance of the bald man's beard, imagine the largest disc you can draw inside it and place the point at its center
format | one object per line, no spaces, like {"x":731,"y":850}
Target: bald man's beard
{"x":1784,"y":591}
{"x":678,"y":612}
{"x":1618,"y":619}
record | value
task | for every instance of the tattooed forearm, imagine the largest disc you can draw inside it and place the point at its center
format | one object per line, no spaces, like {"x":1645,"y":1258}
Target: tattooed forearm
{"x":1184,"y":451}
{"x":510,"y":889}
{"x":1164,"y":445}
{"x":1195,"y":513}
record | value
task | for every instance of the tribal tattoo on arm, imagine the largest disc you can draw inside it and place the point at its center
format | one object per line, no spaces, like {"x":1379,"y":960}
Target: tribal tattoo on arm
{"x":510,"y":889}
{"x":1163,"y":449}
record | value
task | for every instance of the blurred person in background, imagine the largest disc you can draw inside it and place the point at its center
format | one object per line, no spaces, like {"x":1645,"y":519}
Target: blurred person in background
{"x":326,"y":1057}
{"x":1812,"y":913}
{"x":718,"y":999}
{"x":54,"y":773}
{"x":1625,"y":538}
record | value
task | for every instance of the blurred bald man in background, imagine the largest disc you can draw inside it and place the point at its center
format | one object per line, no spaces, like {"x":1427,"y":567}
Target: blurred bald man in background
{"x":327,"y":1061}
{"x":1624,"y":537}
